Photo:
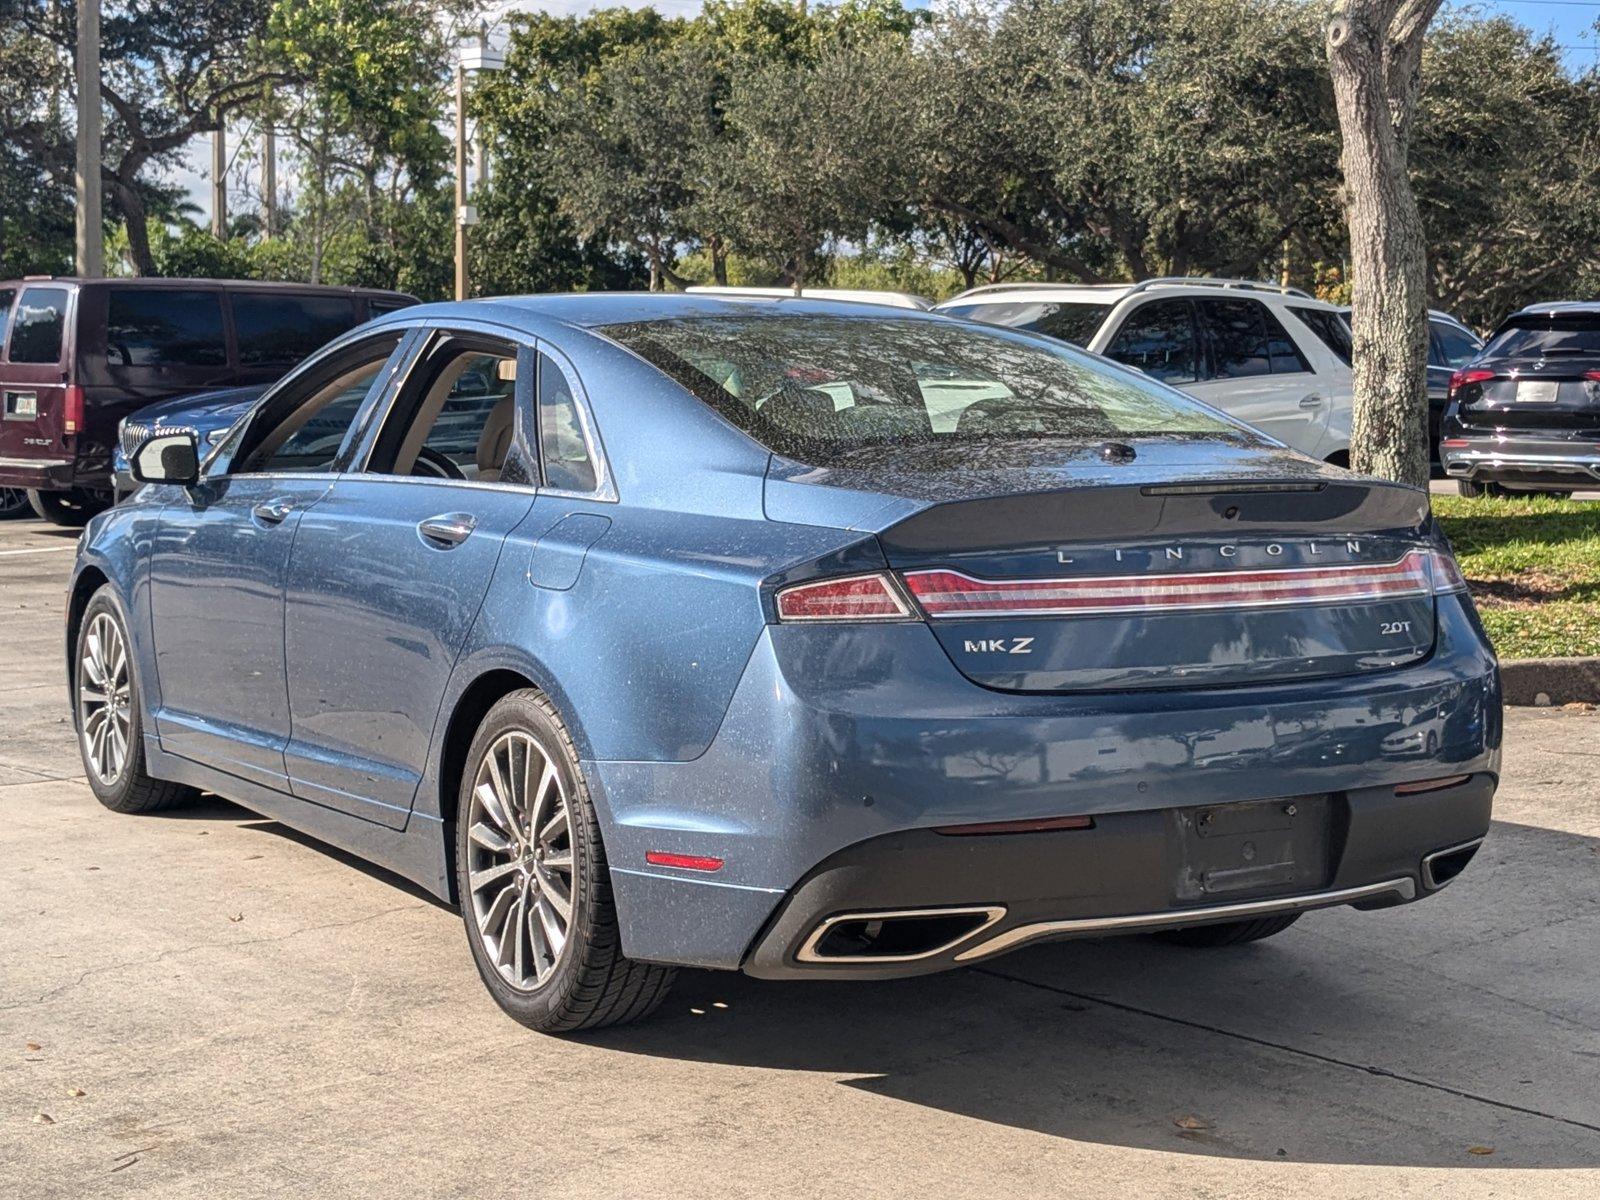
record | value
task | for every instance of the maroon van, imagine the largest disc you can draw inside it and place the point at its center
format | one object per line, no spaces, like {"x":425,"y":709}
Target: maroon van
{"x":78,"y":355}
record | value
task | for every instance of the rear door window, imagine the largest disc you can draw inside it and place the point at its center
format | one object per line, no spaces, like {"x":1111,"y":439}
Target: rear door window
{"x":1159,"y":339}
{"x":1247,"y":340}
{"x":273,"y":328}
{"x":162,"y":327}
{"x":39,"y":325}
{"x":1330,"y":328}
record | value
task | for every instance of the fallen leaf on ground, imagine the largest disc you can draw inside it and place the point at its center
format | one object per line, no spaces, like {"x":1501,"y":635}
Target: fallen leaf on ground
{"x":237,"y":919}
{"x":1191,"y":1123}
{"x":43,"y":1119}
{"x":32,"y":1046}
{"x":76,"y":1092}
{"x":1480,"y":1149}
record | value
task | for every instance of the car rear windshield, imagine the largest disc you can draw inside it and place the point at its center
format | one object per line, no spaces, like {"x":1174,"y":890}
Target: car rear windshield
{"x":1561,"y":335}
{"x":1069,"y":321}
{"x":818,"y":387}
{"x":164,"y":327}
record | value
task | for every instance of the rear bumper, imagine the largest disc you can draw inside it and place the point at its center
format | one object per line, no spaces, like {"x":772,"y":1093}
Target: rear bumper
{"x":1131,"y":873}
{"x":1543,"y":459}
{"x":40,"y":474}
{"x":837,"y":739}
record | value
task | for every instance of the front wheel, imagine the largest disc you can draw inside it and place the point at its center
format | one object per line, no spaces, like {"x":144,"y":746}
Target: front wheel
{"x":1228,"y":933}
{"x":110,"y":722}
{"x":533,"y":883}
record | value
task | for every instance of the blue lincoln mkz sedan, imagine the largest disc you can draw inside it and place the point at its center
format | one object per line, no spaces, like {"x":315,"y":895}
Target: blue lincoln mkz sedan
{"x":813,"y":640}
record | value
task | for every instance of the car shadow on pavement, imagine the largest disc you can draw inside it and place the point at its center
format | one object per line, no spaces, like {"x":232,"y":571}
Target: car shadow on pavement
{"x":1459,"y":1032}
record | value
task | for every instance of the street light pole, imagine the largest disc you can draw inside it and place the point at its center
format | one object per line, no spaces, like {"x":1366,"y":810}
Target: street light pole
{"x":461,"y":181}
{"x":90,"y":240}
{"x":219,"y":179}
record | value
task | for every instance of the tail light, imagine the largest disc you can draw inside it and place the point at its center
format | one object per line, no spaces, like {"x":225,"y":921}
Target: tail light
{"x":1446,"y":573}
{"x":851,"y":598}
{"x":1466,"y":378}
{"x":72,"y":409}
{"x":1592,"y":376}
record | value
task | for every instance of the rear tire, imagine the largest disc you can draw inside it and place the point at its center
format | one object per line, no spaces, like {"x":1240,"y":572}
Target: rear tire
{"x":14,"y":503}
{"x":71,"y":509}
{"x":1228,"y":933}
{"x":108,"y":717}
{"x":553,"y":971}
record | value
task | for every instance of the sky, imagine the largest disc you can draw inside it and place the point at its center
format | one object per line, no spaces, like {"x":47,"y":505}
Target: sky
{"x":1571,"y":22}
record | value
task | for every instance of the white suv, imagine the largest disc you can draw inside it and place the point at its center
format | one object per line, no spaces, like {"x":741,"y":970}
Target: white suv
{"x":1273,"y":357}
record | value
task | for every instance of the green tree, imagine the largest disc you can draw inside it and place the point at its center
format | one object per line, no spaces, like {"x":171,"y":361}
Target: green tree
{"x":1505,"y":161}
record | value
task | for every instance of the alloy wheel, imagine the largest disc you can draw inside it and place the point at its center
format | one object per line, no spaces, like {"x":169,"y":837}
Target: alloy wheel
{"x":105,"y":698}
{"x":521,"y":866}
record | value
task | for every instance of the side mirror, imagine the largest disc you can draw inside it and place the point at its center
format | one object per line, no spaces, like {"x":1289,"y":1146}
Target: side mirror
{"x":168,"y":458}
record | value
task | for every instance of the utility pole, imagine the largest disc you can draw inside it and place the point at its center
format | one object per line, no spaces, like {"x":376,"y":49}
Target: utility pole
{"x":461,"y":181}
{"x":483,"y":137}
{"x":219,"y":179}
{"x":90,"y":245}
{"x":269,"y":173}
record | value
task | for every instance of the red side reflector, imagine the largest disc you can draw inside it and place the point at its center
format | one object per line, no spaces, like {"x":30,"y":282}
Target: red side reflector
{"x":1039,"y":825}
{"x":852,"y":598}
{"x":72,"y":409}
{"x":684,"y":862}
{"x":946,"y":593}
{"x":1430,"y":785}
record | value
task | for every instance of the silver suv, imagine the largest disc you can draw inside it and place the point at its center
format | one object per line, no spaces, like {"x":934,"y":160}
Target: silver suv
{"x":1274,"y":357}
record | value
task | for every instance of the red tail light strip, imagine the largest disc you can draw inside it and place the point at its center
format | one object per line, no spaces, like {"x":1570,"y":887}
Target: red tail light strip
{"x":945,"y":593}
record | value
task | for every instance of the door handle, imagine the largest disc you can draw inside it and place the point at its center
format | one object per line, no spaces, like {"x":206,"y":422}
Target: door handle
{"x":1311,"y":401}
{"x":272,"y":512}
{"x":447,"y":529}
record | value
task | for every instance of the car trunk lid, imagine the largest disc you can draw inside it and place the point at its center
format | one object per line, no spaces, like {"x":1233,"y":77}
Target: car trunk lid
{"x":1173,"y":570}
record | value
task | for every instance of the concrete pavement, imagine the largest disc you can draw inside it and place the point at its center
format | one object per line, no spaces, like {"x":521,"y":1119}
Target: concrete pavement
{"x":247,"y":1013}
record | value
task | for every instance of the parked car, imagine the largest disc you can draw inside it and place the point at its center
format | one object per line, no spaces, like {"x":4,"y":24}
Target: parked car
{"x":1525,"y":414}
{"x":78,"y":355}
{"x":209,"y":415}
{"x":742,"y":642}
{"x":1451,"y":345}
{"x":1274,"y":357}
{"x":855,"y":295}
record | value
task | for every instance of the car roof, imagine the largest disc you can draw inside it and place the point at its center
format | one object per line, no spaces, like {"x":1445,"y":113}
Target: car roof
{"x":163,"y":282}
{"x":1553,"y":308}
{"x":589,"y":310}
{"x":856,"y":295}
{"x":1112,"y":293}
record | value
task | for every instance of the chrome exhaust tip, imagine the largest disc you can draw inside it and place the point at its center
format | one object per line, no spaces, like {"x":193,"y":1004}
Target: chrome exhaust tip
{"x":1440,"y":867}
{"x":895,"y":935}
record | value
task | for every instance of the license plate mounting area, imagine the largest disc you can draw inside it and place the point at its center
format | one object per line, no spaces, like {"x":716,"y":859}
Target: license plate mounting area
{"x":1256,"y":847}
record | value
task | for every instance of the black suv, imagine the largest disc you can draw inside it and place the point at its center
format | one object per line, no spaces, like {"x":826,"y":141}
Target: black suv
{"x":1525,"y":414}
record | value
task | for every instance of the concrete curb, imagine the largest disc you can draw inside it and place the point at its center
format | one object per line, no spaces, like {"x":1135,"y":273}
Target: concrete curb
{"x":1546,"y":681}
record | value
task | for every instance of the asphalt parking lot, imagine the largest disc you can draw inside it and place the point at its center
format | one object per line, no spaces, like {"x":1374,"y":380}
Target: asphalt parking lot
{"x":207,"y":1004}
